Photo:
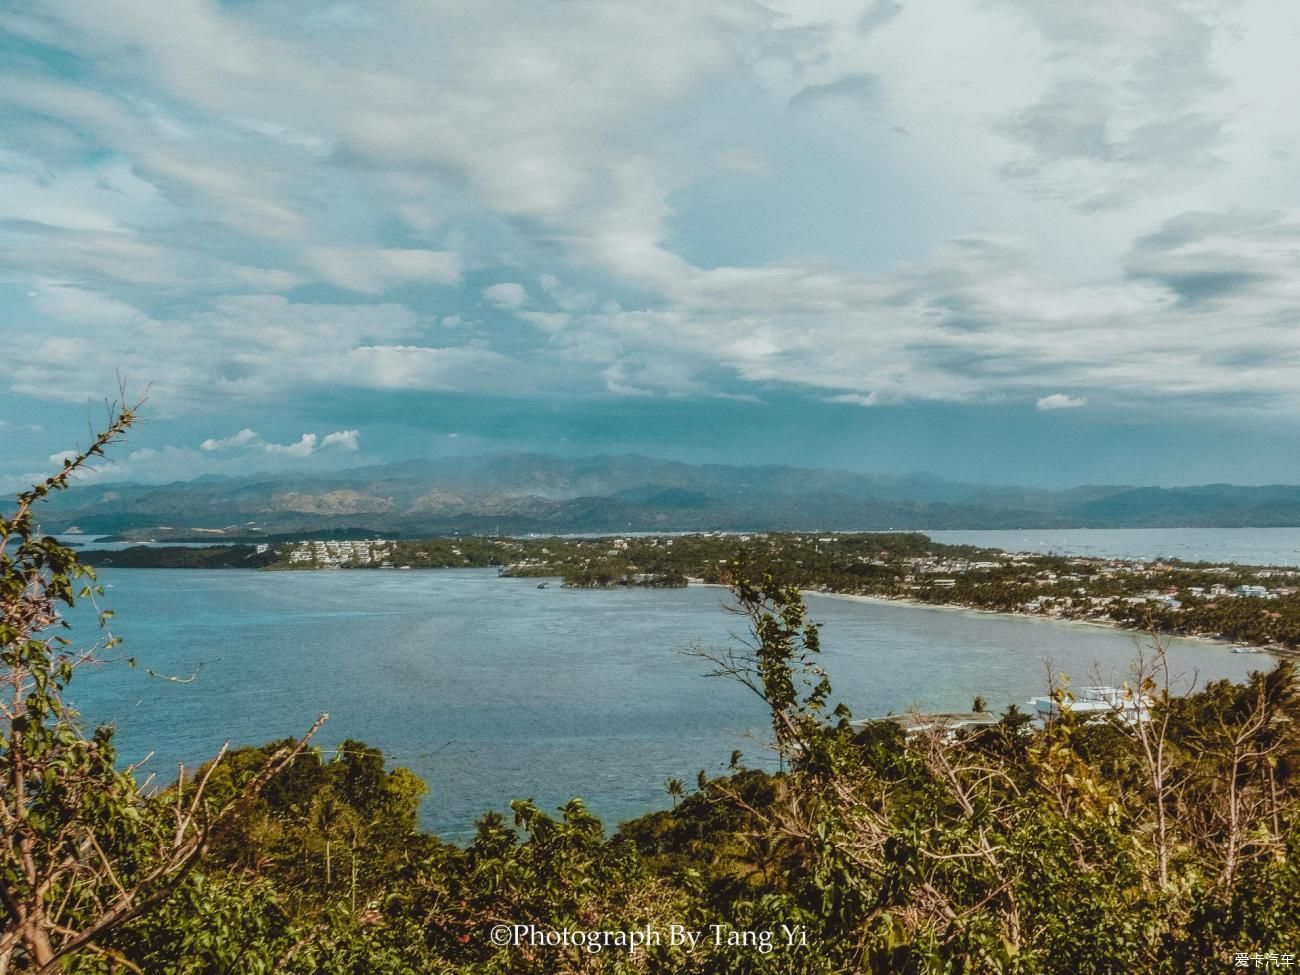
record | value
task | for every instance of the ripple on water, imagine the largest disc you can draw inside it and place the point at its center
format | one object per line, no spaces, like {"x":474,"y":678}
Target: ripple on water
{"x":491,"y":689}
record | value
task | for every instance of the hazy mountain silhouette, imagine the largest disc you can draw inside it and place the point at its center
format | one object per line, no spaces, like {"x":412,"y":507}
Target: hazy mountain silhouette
{"x":520,"y":492}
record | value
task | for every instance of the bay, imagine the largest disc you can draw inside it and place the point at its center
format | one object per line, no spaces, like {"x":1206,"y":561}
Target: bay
{"x":493,"y":689}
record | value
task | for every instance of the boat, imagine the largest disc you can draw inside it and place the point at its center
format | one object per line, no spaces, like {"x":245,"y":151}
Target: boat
{"x":1247,"y":649}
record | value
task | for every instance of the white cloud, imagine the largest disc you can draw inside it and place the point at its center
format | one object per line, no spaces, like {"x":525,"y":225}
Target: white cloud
{"x":263,"y":348}
{"x":508,"y":295}
{"x":98,"y":196}
{"x":342,"y":439}
{"x":306,"y":445}
{"x":1095,"y":139}
{"x":547,"y":321}
{"x":81,"y":259}
{"x":241,"y":439}
{"x":170,"y":463}
{"x":981,"y":321}
{"x":1060,"y":401}
{"x":857,"y":399}
{"x":413,"y":367}
{"x":252,"y":347}
{"x":239,"y":114}
{"x":374,"y":270}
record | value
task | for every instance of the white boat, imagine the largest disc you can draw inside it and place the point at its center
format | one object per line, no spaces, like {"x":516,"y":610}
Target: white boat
{"x":1247,"y":649}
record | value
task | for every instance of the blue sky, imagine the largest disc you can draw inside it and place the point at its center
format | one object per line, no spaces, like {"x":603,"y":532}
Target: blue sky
{"x":1002,"y":240}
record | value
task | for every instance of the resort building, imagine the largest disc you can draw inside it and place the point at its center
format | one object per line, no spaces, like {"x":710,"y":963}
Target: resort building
{"x":1094,"y":703}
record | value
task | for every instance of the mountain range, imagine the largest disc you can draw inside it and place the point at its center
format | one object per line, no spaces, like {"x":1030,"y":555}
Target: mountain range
{"x":523,"y":492}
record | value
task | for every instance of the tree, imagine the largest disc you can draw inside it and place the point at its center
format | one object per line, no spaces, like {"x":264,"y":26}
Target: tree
{"x":776,"y":660}
{"x":83,"y":850}
{"x":675,"y":789}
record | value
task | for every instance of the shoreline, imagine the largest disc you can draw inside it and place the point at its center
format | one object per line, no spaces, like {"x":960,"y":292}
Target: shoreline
{"x":1273,"y":650}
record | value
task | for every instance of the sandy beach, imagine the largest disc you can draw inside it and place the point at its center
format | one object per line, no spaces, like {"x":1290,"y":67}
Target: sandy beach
{"x":1274,"y":651}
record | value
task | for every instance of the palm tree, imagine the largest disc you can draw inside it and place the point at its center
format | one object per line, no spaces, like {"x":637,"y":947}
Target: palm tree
{"x":330,"y":817}
{"x":675,"y":789}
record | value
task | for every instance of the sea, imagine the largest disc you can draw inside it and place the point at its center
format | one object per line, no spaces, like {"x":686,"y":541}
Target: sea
{"x":494,"y":689}
{"x":1243,"y":546}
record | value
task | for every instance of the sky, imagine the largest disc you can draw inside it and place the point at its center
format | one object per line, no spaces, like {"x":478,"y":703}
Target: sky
{"x":1004,"y":241}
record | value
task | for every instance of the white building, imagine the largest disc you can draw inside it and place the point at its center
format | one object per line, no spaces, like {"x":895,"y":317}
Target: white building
{"x":1095,"y":702}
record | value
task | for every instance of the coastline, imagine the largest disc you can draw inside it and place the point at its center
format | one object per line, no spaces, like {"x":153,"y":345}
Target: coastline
{"x":1273,"y":651}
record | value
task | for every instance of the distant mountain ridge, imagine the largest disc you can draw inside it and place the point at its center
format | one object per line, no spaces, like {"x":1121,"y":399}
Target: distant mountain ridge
{"x":518,"y":493}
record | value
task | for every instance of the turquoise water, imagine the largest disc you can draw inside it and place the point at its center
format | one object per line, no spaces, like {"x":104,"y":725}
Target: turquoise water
{"x":493,"y":689}
{"x":1244,"y":546}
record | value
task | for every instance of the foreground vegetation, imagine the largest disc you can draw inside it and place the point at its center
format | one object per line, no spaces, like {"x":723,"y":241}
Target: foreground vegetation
{"x":1162,"y":847}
